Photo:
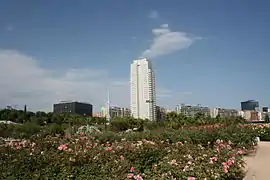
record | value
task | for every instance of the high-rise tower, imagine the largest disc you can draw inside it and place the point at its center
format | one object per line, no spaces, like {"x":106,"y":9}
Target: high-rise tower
{"x":143,"y":90}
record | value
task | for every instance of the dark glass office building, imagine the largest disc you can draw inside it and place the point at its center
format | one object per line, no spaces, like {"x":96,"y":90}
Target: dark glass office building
{"x":73,"y":107}
{"x":249,"y":105}
{"x":265,"y":109}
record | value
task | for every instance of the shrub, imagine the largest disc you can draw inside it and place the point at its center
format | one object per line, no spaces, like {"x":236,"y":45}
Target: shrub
{"x":80,"y":157}
{"x":25,"y":130}
{"x":123,"y":124}
{"x":53,"y":130}
{"x":89,"y":130}
{"x":262,"y":131}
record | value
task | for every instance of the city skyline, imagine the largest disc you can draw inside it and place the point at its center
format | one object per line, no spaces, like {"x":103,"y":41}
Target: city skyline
{"x":214,"y":53}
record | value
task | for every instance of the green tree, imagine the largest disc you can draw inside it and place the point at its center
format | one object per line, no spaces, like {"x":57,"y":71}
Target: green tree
{"x":21,"y":118}
{"x":171,"y":116}
{"x":57,"y":118}
{"x":40,"y":114}
{"x":13,"y":115}
{"x":266,"y":118}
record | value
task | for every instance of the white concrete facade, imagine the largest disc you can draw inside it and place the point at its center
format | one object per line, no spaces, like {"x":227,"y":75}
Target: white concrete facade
{"x":223,"y":112}
{"x":142,"y":90}
{"x":115,"y":111}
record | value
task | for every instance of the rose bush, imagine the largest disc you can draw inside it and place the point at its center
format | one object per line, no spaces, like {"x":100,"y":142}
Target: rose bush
{"x":240,"y":136}
{"x":80,"y":157}
{"x":261,"y":130}
{"x":159,"y":153}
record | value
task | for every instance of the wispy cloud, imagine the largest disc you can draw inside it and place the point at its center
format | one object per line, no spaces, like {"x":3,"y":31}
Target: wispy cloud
{"x":23,"y":81}
{"x":185,"y":93}
{"x":166,"y":41}
{"x":9,"y":27}
{"x":167,"y":93}
{"x":163,"y":93}
{"x":133,"y":37}
{"x":153,"y":14}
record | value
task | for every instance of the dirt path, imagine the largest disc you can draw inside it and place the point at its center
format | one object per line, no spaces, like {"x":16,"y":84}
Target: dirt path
{"x":258,"y":166}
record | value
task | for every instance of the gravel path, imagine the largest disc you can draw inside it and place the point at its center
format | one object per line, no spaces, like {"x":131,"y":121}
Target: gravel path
{"x":258,"y":166}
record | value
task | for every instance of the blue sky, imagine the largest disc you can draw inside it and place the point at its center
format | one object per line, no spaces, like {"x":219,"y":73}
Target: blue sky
{"x":215,"y":53}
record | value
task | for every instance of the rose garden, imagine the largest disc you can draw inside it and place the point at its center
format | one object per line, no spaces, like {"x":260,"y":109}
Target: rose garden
{"x":52,"y":146}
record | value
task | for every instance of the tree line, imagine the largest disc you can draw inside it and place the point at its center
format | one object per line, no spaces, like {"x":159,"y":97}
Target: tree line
{"x":43,"y":118}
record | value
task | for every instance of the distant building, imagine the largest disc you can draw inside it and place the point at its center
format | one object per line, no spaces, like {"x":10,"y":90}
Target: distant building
{"x":115,"y":112}
{"x":98,"y":114}
{"x":250,"y":105}
{"x":191,"y":110}
{"x":265,"y":109}
{"x":251,"y":110}
{"x":222,"y":112}
{"x":252,"y":115}
{"x":169,"y":110}
{"x":73,"y":107}
{"x":264,"y":114}
{"x":241,"y":114}
{"x":161,"y":113}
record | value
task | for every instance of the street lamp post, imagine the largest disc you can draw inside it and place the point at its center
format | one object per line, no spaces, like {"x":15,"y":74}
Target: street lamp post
{"x":108,"y":107}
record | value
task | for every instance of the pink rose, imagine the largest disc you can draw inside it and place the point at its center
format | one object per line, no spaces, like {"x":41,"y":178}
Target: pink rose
{"x":63,"y":147}
{"x":138,"y":177}
{"x":130,"y":175}
{"x":109,"y":148}
{"x":122,"y":157}
{"x":132,"y":169}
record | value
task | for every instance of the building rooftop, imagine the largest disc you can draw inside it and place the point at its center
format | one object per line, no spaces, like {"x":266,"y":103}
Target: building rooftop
{"x":70,"y":101}
{"x":250,"y":101}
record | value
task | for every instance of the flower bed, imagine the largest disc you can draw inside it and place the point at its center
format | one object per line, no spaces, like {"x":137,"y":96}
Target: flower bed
{"x":239,"y":136}
{"x":160,"y":153}
{"x":82,"y":158}
{"x":261,"y":130}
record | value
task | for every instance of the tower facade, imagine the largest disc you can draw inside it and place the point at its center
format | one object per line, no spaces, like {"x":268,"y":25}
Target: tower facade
{"x":143,"y":90}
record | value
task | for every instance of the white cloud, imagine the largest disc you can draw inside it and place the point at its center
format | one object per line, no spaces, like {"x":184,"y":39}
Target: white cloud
{"x":23,"y":81}
{"x":162,"y":93}
{"x":153,"y":14}
{"x":9,"y":27}
{"x":133,"y":37}
{"x":164,"y":25}
{"x":186,"y":93}
{"x":166,"y":41}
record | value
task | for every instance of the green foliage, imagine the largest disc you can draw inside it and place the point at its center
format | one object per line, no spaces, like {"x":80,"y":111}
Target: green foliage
{"x":89,"y":131}
{"x":19,"y":131}
{"x":123,"y":124}
{"x":42,"y":118}
{"x":107,"y":136}
{"x":156,"y":150}
{"x":262,"y":131}
{"x":83,"y":158}
{"x":175,"y":120}
{"x":53,"y":130}
{"x":172,"y":120}
{"x":266,"y":118}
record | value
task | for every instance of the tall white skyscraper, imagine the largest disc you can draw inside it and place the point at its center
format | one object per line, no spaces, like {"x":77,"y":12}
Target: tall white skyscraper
{"x":143,"y":90}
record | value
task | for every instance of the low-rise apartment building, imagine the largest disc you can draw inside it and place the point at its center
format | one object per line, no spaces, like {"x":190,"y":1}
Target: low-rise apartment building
{"x":115,"y":112}
{"x":191,"y":110}
{"x":223,"y":112}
